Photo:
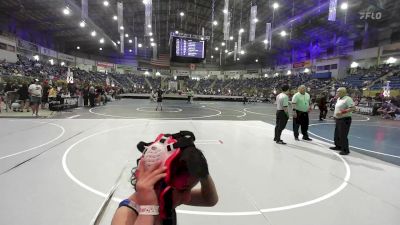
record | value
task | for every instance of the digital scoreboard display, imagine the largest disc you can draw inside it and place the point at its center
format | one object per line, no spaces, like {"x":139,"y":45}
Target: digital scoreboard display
{"x":188,"y":50}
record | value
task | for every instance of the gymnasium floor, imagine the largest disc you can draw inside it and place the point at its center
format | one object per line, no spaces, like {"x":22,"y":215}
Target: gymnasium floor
{"x":60,"y":170}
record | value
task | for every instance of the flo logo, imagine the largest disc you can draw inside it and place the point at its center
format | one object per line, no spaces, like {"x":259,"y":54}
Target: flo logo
{"x":370,"y":15}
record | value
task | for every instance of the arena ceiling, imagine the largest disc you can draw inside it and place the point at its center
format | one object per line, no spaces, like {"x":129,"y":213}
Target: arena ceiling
{"x":304,"y":20}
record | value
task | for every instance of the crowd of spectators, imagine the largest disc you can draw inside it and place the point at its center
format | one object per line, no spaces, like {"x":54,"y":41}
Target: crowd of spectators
{"x":363,"y":77}
{"x":25,"y":70}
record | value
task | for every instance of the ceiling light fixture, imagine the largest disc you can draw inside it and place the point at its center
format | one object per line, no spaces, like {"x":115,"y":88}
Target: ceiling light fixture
{"x":344,"y":6}
{"x":66,"y":11}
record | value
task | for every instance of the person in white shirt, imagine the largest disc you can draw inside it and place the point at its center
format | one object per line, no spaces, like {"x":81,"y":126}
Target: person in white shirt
{"x":282,"y":115}
{"x":342,"y":114}
{"x":35,"y":91}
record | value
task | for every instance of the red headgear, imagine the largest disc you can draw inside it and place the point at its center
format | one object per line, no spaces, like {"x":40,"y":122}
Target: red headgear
{"x":166,"y":148}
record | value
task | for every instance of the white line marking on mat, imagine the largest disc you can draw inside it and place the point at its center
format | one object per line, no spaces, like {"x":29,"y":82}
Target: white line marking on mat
{"x":33,"y":148}
{"x":244,"y":213}
{"x":247,"y":110}
{"x":73,"y":117}
{"x":166,"y":118}
{"x":358,"y":148}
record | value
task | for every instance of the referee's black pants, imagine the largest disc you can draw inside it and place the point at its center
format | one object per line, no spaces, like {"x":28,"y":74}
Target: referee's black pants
{"x":303,"y":121}
{"x":342,"y":129}
{"x":281,"y":121}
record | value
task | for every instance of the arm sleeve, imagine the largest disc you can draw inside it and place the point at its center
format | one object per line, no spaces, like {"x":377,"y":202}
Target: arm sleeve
{"x":285,"y":102}
{"x":294,"y":99}
{"x":349,"y":102}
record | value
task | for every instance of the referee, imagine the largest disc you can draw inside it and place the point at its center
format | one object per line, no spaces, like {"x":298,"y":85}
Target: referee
{"x":282,"y":116}
{"x":343,"y":112}
{"x":301,"y":107}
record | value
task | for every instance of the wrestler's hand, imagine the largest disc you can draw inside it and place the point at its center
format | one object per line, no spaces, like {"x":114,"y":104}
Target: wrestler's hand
{"x":146,"y":179}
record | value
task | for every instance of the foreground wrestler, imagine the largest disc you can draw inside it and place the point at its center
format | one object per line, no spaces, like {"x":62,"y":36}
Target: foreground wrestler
{"x":163,"y":182}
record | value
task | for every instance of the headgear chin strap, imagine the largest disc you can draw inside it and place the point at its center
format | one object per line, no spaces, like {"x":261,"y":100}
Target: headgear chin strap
{"x":166,"y":148}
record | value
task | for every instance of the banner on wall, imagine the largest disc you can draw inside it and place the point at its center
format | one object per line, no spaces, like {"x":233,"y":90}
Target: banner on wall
{"x":239,"y":48}
{"x":182,"y":73}
{"x":268,"y":36}
{"x":226,"y":20}
{"x":235,"y":51}
{"x":252,"y":71}
{"x":27,"y":45}
{"x":302,"y":64}
{"x":85,"y":8}
{"x":124,"y":67}
{"x":105,"y":64}
{"x":148,"y":12}
{"x":120,"y":15}
{"x":215,"y":72}
{"x":332,"y":10}
{"x":232,"y":73}
{"x":144,"y":69}
{"x":391,"y":49}
{"x":66,"y":57}
{"x":164,"y":71}
{"x":253,"y":22}
{"x":136,"y":46}
{"x":283,"y":67}
{"x":48,"y":52}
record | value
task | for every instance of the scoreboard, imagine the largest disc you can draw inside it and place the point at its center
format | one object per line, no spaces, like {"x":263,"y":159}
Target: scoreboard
{"x":188,"y":50}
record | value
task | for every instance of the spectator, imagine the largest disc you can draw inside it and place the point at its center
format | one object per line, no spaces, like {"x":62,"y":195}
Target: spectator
{"x":52,"y":94}
{"x":92,"y":96}
{"x":45,"y":97}
{"x":24,"y":97}
{"x":35,"y":91}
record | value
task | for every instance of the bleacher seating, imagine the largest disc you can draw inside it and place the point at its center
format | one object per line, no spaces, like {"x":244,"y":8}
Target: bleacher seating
{"x":231,"y":87}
